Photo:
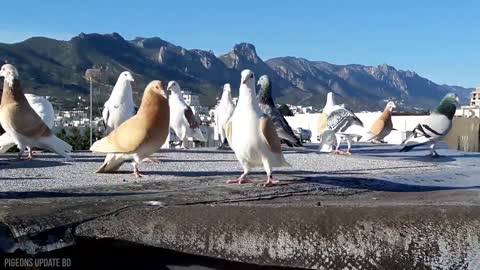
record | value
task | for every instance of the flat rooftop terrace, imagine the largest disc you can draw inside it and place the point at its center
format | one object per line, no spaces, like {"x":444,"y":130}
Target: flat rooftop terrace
{"x":378,"y":208}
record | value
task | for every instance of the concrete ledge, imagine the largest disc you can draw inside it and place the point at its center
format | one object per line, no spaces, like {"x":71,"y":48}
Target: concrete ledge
{"x":376,"y":209}
{"x":311,"y":237}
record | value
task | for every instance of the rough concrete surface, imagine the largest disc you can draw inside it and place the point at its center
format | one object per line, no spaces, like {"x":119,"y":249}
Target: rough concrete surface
{"x":376,"y":209}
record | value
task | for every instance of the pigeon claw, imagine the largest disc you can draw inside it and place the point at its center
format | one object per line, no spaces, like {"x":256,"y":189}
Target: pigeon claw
{"x":271,"y":182}
{"x":138,"y":174}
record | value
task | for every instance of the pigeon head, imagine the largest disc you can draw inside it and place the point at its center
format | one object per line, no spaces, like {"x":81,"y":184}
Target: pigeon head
{"x":173,"y":87}
{"x":227,"y":89}
{"x":9,"y":72}
{"x":264,"y":83}
{"x":248,"y":78}
{"x":126,"y":76}
{"x":452,"y":97}
{"x":390,"y":106}
{"x":448,"y":105}
{"x":265,"y":95}
{"x":157,"y":87}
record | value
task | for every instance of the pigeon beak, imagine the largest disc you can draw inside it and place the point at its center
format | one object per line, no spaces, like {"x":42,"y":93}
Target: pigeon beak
{"x":245,"y":81}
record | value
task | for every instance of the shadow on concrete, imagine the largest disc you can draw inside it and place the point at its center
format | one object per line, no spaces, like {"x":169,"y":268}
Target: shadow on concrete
{"x":441,"y":159}
{"x":377,"y":184}
{"x":35,"y":163}
{"x":24,"y":178}
{"x":55,"y":194}
{"x":107,"y":253}
{"x":197,"y":160}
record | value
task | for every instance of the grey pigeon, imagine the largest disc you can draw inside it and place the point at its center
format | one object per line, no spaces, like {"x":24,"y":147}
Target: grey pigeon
{"x":435,"y":127}
{"x":267,"y":105}
{"x":346,"y":126}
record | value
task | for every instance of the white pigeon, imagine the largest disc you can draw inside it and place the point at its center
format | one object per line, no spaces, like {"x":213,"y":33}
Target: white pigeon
{"x":223,"y":112}
{"x":119,"y":107}
{"x":182,"y":119}
{"x":43,"y":108}
{"x":21,"y":122}
{"x":434,"y":128}
{"x":252,"y":135}
{"x":327,"y":137}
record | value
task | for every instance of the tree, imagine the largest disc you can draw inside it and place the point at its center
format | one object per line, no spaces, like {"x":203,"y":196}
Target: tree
{"x":284,"y":110}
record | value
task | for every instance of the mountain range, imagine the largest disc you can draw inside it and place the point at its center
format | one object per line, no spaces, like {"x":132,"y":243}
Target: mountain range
{"x":57,"y":68}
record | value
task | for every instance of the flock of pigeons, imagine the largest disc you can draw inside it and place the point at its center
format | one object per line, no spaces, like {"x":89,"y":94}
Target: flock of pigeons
{"x":254,"y":128}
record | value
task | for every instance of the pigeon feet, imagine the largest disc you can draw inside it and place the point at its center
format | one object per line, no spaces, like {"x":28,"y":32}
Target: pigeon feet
{"x":433,"y":155}
{"x":270,"y":182}
{"x":240,"y":180}
{"x":29,"y":157}
{"x":138,"y":174}
{"x":343,"y":153}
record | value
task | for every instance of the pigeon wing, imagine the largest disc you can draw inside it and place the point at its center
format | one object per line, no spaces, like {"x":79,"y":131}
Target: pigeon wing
{"x":192,"y":121}
{"x":340,"y":120}
{"x":268,"y":130}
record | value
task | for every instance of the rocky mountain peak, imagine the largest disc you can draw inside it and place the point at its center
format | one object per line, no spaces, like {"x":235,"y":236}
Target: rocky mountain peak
{"x":245,"y":49}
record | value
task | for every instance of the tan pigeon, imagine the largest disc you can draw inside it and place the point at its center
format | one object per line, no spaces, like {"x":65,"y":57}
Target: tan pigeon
{"x":21,"y":122}
{"x":383,"y":126}
{"x":141,"y":135}
{"x":252,"y":135}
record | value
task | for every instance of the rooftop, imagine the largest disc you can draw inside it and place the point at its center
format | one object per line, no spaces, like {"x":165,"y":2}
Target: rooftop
{"x":184,"y":201}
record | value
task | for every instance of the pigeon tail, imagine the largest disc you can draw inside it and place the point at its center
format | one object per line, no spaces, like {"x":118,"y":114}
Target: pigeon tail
{"x":407,"y":148}
{"x":197,"y":134}
{"x":112,"y":163}
{"x":55,"y":144}
{"x":6,"y":142}
{"x":368,"y":136}
{"x":326,"y":140}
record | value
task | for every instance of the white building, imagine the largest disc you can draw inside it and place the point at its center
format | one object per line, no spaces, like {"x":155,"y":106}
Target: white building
{"x":402,"y":123}
{"x":473,"y":109}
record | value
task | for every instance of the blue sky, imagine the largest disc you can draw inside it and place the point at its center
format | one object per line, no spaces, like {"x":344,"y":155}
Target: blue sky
{"x":439,"y":40}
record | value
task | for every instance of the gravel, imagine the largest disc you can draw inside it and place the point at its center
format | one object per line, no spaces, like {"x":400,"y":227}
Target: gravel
{"x":211,"y":167}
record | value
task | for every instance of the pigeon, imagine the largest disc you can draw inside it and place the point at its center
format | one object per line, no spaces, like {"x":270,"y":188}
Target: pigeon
{"x":43,"y":108}
{"x":327,"y":137}
{"x":140,"y":136}
{"x":182,"y":119}
{"x":343,"y":124}
{"x":22,"y":123}
{"x":119,"y":107}
{"x":267,"y":105}
{"x":383,"y":126}
{"x":434,"y":127}
{"x":252,"y":134}
{"x":223,"y":113}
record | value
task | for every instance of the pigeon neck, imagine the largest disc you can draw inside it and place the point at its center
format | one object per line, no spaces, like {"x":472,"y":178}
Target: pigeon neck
{"x":12,"y":94}
{"x":247,"y":96}
{"x":446,"y":108}
{"x":386,"y":113}
{"x":265,"y":96}
{"x":226,"y":96}
{"x":122,"y":90}
{"x":330,"y":102}
{"x":178,"y":96}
